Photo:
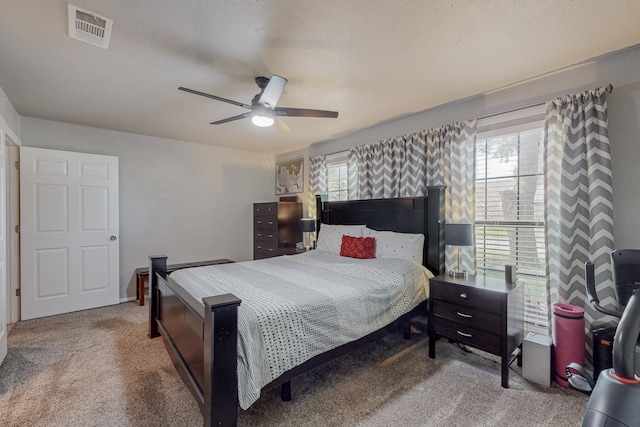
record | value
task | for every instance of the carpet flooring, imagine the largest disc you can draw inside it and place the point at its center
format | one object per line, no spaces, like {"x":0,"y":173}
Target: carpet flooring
{"x":98,"y":368}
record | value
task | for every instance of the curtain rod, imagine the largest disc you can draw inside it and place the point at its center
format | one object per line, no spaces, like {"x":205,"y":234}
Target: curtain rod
{"x":608,"y":88}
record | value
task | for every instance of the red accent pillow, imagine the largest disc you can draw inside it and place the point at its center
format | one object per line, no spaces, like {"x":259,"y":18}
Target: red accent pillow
{"x":358,"y":247}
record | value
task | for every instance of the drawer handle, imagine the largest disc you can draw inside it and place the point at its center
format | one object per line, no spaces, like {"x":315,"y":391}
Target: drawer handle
{"x":468,"y":316}
{"x":270,"y":249}
{"x":270,"y":236}
{"x":464,"y":335}
{"x":259,"y":222}
{"x":270,"y":222}
{"x":259,"y":234}
{"x":463,"y":295}
{"x":259,"y":247}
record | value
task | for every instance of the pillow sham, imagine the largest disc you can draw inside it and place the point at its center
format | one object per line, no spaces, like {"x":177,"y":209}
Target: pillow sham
{"x":330,"y":236}
{"x":390,"y":244}
{"x":358,"y":247}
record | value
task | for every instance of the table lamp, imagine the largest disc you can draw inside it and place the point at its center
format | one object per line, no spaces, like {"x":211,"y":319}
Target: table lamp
{"x":308,"y":226}
{"x":458,"y":235}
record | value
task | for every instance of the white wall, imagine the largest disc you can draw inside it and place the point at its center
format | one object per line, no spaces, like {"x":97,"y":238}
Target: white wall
{"x":622,"y":69}
{"x":9,"y":118}
{"x":187,"y":201}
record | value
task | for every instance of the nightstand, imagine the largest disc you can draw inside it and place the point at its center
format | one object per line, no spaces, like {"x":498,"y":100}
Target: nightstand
{"x":478,"y":311}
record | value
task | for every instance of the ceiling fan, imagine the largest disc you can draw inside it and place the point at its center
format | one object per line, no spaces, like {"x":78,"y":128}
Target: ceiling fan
{"x":263,"y":108}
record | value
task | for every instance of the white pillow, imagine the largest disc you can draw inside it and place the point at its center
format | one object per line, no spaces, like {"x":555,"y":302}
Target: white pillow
{"x":330,"y":236}
{"x":390,"y":244}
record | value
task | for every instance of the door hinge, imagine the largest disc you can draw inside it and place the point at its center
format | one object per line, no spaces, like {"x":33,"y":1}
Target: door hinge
{"x":18,"y":292}
{"x":17,"y":228}
{"x":17,"y":165}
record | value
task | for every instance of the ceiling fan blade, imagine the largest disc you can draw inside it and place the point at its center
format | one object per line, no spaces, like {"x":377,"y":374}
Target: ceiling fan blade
{"x":272,"y":92}
{"x":304,"y":112}
{"x":217,"y":98}
{"x":231,"y":119}
{"x":282,"y":127}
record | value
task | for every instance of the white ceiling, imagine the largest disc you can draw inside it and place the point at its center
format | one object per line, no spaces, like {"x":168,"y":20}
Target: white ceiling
{"x":371,"y":60}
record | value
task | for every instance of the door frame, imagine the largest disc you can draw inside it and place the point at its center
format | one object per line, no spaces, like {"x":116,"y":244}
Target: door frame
{"x":13,"y":233}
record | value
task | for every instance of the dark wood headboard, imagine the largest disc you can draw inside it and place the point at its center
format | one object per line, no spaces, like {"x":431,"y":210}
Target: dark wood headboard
{"x":405,"y":215}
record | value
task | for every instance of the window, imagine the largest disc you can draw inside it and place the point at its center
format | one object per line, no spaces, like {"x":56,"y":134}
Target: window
{"x":509,"y":226}
{"x":337,"y":180}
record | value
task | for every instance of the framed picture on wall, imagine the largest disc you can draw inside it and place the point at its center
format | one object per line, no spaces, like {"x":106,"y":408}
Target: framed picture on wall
{"x":290,"y":177}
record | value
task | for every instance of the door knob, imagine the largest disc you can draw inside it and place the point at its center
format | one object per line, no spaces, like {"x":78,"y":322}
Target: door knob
{"x":112,"y":238}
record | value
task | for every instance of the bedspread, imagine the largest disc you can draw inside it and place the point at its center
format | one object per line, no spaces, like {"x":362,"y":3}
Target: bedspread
{"x":296,"y":307}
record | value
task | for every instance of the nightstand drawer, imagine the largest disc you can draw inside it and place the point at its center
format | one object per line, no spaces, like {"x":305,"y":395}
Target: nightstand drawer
{"x":467,"y":316}
{"x":466,"y":296}
{"x":468,"y":335}
{"x":265,"y":223}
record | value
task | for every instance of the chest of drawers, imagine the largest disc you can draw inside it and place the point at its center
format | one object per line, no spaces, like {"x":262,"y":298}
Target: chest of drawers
{"x":478,"y":311}
{"x":275,"y":225}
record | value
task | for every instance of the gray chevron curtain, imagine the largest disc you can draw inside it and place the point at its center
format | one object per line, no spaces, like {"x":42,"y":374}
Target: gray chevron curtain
{"x":317,"y":181}
{"x":578,"y":200}
{"x":451,"y":161}
{"x":404,"y":166}
{"x":379,"y":169}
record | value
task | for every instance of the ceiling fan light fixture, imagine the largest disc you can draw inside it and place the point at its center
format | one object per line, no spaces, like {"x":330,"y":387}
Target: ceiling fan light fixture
{"x":262,"y":121}
{"x":262,"y":117}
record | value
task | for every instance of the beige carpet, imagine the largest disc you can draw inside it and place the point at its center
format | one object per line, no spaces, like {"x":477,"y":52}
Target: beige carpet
{"x":98,"y":368}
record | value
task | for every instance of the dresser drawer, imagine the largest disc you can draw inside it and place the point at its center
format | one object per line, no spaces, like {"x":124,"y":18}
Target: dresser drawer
{"x":271,"y":244}
{"x":266,"y":209}
{"x":261,"y":235}
{"x":261,"y":251}
{"x":468,"y":335}
{"x":466,"y":296}
{"x":265,"y":223}
{"x":467,"y":316}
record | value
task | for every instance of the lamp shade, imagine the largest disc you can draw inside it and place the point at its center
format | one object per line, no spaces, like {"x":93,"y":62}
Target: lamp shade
{"x":458,"y":234}
{"x":308,"y":225}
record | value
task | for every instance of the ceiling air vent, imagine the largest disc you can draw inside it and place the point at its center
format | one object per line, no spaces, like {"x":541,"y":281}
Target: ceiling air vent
{"x":89,"y":27}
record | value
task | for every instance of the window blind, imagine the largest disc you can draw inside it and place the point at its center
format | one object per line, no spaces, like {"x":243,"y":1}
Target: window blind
{"x":509,"y":226}
{"x":337,"y":182}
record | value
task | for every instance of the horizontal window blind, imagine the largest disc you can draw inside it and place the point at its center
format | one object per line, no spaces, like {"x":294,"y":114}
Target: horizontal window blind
{"x":509,"y":226}
{"x":337,"y":182}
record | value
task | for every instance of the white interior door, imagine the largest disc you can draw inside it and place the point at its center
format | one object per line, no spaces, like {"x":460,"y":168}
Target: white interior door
{"x":3,"y":250}
{"x":69,"y":231}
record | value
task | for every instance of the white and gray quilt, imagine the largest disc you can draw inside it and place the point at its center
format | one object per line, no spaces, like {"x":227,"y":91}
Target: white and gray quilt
{"x":296,"y":307}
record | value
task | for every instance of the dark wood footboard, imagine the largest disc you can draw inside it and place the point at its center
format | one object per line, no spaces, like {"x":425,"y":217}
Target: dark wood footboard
{"x":202,"y":342}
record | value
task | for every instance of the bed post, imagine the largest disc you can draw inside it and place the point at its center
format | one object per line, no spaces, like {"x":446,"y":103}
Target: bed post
{"x":157,"y":264}
{"x":434,"y":247}
{"x":319,"y":218}
{"x":220,"y":360}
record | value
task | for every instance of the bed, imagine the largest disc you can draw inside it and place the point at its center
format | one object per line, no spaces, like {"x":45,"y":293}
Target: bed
{"x":201,"y":331}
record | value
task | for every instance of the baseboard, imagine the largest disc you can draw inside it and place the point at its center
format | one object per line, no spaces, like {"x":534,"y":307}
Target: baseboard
{"x":127,"y":299}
